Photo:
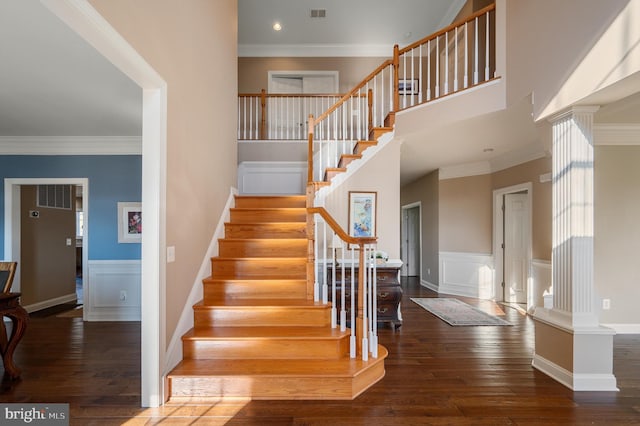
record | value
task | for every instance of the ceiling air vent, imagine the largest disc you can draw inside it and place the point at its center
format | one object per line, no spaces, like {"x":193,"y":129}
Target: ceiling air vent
{"x":318,"y":13}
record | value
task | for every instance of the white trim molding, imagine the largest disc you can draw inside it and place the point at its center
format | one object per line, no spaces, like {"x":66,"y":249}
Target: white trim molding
{"x":466,"y":274}
{"x":67,"y":298}
{"x":624,"y":328}
{"x":70,"y":145}
{"x":272,"y":177}
{"x":114,"y":290}
{"x":576,"y":382}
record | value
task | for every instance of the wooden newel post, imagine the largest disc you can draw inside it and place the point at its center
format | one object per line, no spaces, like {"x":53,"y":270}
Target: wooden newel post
{"x":396,"y":78}
{"x":263,"y":114}
{"x":311,"y":238}
{"x":310,"y":125}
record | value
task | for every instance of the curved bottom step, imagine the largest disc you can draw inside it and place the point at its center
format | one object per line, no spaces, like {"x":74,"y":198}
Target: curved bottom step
{"x":342,"y":379}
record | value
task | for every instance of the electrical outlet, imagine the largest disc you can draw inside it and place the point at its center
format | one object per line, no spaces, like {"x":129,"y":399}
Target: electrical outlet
{"x":606,"y":304}
{"x":123,"y":295}
{"x":429,"y":271}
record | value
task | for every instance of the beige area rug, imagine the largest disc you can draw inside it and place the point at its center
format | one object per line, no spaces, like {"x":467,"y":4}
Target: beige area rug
{"x":73,"y":313}
{"x":456,"y":312}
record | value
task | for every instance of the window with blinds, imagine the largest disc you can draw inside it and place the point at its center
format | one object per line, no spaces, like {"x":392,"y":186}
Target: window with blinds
{"x":54,"y":196}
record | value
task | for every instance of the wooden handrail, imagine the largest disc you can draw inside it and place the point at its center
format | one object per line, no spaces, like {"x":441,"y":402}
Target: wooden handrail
{"x":353,"y":91}
{"x":335,"y":226}
{"x":447,"y":29}
{"x":292,"y":95}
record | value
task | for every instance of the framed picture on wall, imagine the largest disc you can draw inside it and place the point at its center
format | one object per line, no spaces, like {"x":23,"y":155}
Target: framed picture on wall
{"x":129,"y":222}
{"x":362,"y":214}
{"x":408,"y":86}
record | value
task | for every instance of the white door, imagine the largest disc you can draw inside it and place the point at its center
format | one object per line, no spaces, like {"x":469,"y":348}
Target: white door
{"x":411,"y":242}
{"x":516,"y":243}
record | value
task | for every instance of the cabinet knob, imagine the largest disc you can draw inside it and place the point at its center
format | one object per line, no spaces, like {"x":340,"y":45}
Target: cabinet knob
{"x":383,"y":295}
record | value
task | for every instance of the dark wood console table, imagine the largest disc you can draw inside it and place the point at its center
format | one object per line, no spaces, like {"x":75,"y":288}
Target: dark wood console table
{"x":10,"y":307}
{"x":388,"y":295}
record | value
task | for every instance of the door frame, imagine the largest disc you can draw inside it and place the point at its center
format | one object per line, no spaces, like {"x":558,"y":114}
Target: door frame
{"x":403,"y":227}
{"x":12,"y":223}
{"x":83,"y":19}
{"x":498,"y":236}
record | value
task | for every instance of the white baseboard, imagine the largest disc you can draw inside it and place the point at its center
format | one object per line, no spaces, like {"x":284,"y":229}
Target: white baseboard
{"x":185,"y":323}
{"x":576,"y":382}
{"x":430,"y":286}
{"x":67,"y":298}
{"x":112,"y":290}
{"x":624,"y":328}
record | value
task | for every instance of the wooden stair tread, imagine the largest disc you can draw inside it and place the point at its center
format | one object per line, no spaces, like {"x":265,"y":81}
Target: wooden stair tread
{"x":257,"y":333}
{"x":277,"y":367}
{"x":263,"y":303}
{"x":266,"y":280}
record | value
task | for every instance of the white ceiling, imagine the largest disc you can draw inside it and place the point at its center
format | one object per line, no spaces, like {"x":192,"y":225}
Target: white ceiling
{"x":52,"y":83}
{"x":350,"y":28}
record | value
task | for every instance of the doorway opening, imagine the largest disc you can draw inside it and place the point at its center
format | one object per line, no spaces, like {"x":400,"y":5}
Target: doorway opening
{"x":13,"y":244}
{"x":512,"y":222}
{"x":411,"y":244}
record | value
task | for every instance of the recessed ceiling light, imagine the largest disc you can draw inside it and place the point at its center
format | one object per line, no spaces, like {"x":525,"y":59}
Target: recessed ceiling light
{"x":277,"y":26}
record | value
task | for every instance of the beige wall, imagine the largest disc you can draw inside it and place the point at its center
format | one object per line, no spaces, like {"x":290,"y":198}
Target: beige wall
{"x":465,"y":212}
{"x":540,"y":199}
{"x":425,"y":190}
{"x":193,"y":47}
{"x":48,"y":265}
{"x":617,"y":232}
{"x":252,"y":72}
{"x":381,"y":174}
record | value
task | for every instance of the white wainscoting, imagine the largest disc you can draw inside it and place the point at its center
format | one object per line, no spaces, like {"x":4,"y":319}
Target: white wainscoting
{"x":466,"y":274}
{"x":540,"y":281}
{"x":108,"y":283}
{"x":272,"y":178}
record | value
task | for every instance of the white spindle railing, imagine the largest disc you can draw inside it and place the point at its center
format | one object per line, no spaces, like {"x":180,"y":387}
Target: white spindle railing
{"x":340,"y":276}
{"x":447,"y":57}
{"x":263,"y":116}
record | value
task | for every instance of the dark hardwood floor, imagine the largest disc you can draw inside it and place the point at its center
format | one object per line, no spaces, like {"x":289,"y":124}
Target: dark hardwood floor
{"x":435,"y":375}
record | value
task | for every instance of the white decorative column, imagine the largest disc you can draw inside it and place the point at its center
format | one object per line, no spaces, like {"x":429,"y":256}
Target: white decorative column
{"x":570,"y":345}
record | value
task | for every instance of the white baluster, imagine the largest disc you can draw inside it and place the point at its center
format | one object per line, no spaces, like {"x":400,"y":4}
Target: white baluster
{"x":486,"y":59}
{"x":352,"y":338}
{"x":455,"y":62}
{"x":475,"y":67}
{"x":334,"y":301}
{"x":325,"y":286}
{"x":343,"y":288}
{"x":316,"y":284}
{"x":466,"y":56}
{"x":428,"y":70}
{"x":446,"y":63}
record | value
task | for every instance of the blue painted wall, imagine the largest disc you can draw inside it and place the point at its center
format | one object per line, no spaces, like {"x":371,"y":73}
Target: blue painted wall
{"x":112,"y":178}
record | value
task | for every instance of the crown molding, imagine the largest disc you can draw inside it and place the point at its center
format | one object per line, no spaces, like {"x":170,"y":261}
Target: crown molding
{"x":315,"y":50}
{"x":616,"y":134}
{"x":70,"y":145}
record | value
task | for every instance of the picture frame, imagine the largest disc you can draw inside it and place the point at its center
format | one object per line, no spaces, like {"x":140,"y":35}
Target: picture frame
{"x":362,"y":213}
{"x":408,"y":86}
{"x":129,"y":222}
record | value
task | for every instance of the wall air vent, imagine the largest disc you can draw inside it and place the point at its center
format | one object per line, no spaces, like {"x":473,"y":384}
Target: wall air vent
{"x":318,"y":13}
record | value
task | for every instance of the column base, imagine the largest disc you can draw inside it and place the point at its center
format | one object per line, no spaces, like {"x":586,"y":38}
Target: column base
{"x":579,"y":358}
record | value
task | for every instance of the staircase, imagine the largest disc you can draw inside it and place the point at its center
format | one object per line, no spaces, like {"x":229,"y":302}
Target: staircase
{"x":256,"y":334}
